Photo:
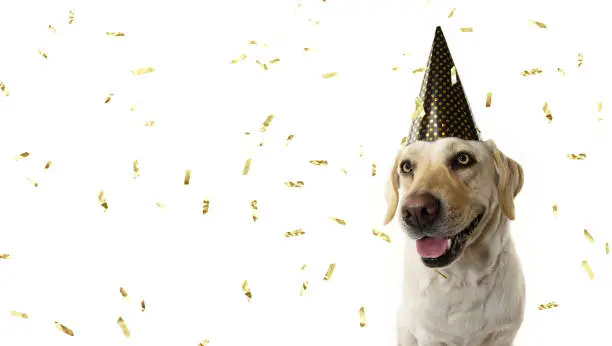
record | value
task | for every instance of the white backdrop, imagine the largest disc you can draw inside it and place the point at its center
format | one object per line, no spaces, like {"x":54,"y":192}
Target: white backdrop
{"x":69,"y":257}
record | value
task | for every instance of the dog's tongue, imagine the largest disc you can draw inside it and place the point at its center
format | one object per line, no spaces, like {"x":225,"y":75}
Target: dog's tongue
{"x":431,"y":247}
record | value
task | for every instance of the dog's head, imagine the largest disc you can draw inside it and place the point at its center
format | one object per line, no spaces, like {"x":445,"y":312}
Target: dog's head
{"x":446,"y":191}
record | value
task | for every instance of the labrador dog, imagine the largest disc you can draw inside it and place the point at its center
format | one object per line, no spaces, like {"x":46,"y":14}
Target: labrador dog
{"x":463,"y":282}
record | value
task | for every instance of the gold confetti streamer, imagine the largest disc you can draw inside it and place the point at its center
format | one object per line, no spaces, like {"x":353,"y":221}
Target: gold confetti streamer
{"x":362,"y":319}
{"x":274,"y":61}
{"x":547,"y":306}
{"x":589,"y":236}
{"x":441,"y":274}
{"x":149,"y":123}
{"x":452,"y":12}
{"x":296,"y":184}
{"x":404,"y":139}
{"x":47,"y":165}
{"x":539,"y":24}
{"x":418,"y":70}
{"x":304,"y":287}
{"x":64,"y":329}
{"x":142,"y":71}
{"x":102,"y":200}
{"x":19,"y":314}
{"x":4,"y":89}
{"x":115,"y":34}
{"x":296,"y":233}
{"x":289,"y":139}
{"x":247,"y":166}
{"x":204,"y":343}
{"x":318,"y":162}
{"x":123,"y":292}
{"x":108,"y":98}
{"x":580,"y":59}
{"x":547,"y":112}
{"x":330,"y":74}
{"x":578,"y":157}
{"x":330,"y":271}
{"x":419,"y":108}
{"x":22,"y":156}
{"x":33,"y":182}
{"x":52,"y":29}
{"x":599,"y":105}
{"x":531,"y":72}
{"x":560,"y":70}
{"x":264,"y":66}
{"x":246,"y":290}
{"x":555,"y":209}
{"x":205,"y":206}
{"x":307,"y":49}
{"x":255,"y":209}
{"x":588,"y":269}
{"x":266,"y":123}
{"x":381,"y":235}
{"x":453,"y":75}
{"x":187,"y":177}
{"x":339,"y":221}
{"x":143,"y":306}
{"x":43,"y":54}
{"x":123,"y":327}
{"x":70,"y":16}
{"x":467,"y":29}
{"x":136,"y":169}
{"x":5,"y":256}
{"x":607,"y":249}
{"x":373,"y":169}
{"x":489,"y":96}
{"x":395,"y":68}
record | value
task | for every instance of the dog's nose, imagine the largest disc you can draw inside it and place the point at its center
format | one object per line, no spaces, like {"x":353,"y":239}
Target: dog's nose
{"x":421,"y":210}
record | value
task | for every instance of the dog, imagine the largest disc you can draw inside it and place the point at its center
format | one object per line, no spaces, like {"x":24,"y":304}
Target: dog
{"x":463,"y":282}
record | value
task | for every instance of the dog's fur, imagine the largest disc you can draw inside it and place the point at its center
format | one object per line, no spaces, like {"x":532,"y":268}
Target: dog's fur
{"x":481,"y":300}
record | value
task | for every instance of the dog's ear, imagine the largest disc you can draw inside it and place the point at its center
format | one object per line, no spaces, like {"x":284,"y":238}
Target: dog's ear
{"x":391,"y":192}
{"x":509,"y":179}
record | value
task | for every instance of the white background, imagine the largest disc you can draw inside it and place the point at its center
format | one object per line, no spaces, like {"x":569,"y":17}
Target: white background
{"x":69,"y":257}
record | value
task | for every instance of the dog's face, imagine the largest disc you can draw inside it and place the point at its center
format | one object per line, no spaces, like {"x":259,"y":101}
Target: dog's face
{"x":446,"y":191}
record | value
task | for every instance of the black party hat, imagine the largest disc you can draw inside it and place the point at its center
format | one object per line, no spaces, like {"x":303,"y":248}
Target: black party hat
{"x":442,"y":110}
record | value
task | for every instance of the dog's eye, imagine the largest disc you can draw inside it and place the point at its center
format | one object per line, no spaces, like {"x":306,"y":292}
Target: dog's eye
{"x":406,"y":167}
{"x":463,"y":160}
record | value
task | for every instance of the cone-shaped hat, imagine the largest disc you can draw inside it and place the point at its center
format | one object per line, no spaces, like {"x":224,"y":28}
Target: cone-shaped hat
{"x":442,"y":110}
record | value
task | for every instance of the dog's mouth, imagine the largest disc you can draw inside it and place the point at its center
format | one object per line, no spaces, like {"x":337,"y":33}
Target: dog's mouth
{"x":441,"y":252}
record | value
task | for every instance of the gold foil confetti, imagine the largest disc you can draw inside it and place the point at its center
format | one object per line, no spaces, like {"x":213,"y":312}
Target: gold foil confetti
{"x":204,"y":343}
{"x":274,"y":61}
{"x":289,"y":139}
{"x":302,"y":268}
{"x":143,"y":306}
{"x":296,"y":233}
{"x":330,"y":74}
{"x":531,"y":72}
{"x":123,"y":327}
{"x":339,"y":221}
{"x":142,"y":71}
{"x":52,"y":29}
{"x":43,"y":54}
{"x":547,"y":112}
{"x":404,"y":139}
{"x":132,"y":108}
{"x":405,"y":54}
{"x":64,"y":329}
{"x":205,"y":206}
{"x":607,"y":249}
{"x":102,"y":200}
{"x":22,"y":156}
{"x":247,"y":166}
{"x":362,"y":319}
{"x":255,"y":209}
{"x":580,"y":59}
{"x":419,"y":109}
{"x":304,"y":287}
{"x":578,"y":157}
{"x":418,"y":70}
{"x":136,"y":169}
{"x":123,"y":292}
{"x":19,"y":314}
{"x":489,"y":96}
{"x":108,"y":98}
{"x":247,"y":290}
{"x":330,"y":271}
{"x":539,"y":24}
{"x":588,"y":269}
{"x":70,"y":16}
{"x":589,"y":237}
{"x":264,"y":66}
{"x":47,"y":165}
{"x":547,"y":306}
{"x":467,"y":29}
{"x":395,"y":68}
{"x":599,"y":105}
{"x":381,"y":235}
{"x":441,"y":274}
{"x":307,"y":49}
{"x":560,"y":70}
{"x":318,"y":162}
{"x":373,"y":169}
{"x":160,"y":205}
{"x":252,"y":42}
{"x":5,"y":256}
{"x":33,"y":182}
{"x":266,"y":123}
{"x":453,"y":75}
{"x":4,"y":89}
{"x":243,"y":56}
{"x":115,"y":34}
{"x":297,"y":184}
{"x":149,"y":123}
{"x":187,"y":177}
{"x":452,"y":12}
{"x":555,"y":209}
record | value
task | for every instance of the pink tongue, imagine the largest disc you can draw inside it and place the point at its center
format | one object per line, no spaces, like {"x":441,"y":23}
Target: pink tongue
{"x":431,"y":247}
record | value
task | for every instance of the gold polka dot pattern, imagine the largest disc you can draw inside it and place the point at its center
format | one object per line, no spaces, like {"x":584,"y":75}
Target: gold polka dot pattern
{"x":446,"y":112}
